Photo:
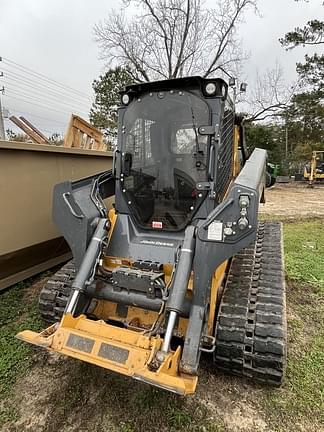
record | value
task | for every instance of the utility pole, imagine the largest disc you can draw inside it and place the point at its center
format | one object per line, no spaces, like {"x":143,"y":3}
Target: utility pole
{"x":286,"y":139}
{"x":2,"y":129}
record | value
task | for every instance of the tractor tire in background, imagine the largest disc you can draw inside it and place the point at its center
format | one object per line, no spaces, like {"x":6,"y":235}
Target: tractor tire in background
{"x":251,"y":330}
{"x":55,"y":293}
{"x":270,"y":180}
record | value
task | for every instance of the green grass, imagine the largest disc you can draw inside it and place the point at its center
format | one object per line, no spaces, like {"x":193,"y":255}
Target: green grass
{"x":16,"y":314}
{"x":302,"y":396}
{"x":8,"y":414}
{"x":304,"y":252}
{"x":306,"y":378}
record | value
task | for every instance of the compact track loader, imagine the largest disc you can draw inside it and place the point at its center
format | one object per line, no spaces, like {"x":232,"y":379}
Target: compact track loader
{"x":180,"y":265}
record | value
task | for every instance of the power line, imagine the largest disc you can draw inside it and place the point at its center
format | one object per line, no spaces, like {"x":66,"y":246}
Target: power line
{"x":39,"y":126}
{"x":41,"y":106}
{"x":46,"y":103}
{"x":37,"y":98}
{"x":40,"y":87}
{"x":43,"y":127}
{"x":44,"y":77}
{"x":35,"y":115}
{"x":35,"y":89}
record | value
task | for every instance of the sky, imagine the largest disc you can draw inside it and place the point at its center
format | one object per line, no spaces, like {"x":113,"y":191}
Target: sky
{"x":56,"y":39}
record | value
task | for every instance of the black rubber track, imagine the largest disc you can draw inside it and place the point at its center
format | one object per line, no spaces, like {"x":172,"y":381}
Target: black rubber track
{"x":251,"y":329}
{"x":55,"y":293}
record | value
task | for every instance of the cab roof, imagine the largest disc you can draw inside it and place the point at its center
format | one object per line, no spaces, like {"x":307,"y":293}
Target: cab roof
{"x":195,"y":82}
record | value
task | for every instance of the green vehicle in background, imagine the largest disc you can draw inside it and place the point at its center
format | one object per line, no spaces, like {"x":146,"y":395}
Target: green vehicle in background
{"x":271,"y":174}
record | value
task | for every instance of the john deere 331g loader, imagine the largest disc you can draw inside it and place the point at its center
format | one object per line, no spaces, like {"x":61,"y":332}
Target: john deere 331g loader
{"x":180,"y":264}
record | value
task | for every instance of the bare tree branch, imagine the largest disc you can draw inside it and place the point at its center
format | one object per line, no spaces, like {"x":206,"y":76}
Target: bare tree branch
{"x":173,"y":38}
{"x":269,"y":96}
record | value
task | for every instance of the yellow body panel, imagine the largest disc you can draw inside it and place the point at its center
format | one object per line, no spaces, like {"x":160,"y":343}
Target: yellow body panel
{"x":236,"y":159}
{"x":216,"y":284}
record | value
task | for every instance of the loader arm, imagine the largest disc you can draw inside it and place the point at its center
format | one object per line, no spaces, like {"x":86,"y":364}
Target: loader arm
{"x":229,"y":228}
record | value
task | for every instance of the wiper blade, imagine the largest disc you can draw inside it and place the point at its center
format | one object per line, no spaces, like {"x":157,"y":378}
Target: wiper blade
{"x":195,"y":130}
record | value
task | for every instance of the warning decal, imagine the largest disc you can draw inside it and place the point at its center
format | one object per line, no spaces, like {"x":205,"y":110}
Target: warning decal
{"x":156,"y":224}
{"x":215,"y":231}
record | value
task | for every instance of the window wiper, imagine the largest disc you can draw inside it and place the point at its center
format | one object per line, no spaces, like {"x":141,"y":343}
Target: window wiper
{"x":199,"y":154}
{"x":195,"y":130}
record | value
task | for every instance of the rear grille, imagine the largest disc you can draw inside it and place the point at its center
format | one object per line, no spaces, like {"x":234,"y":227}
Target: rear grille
{"x":225,"y":155}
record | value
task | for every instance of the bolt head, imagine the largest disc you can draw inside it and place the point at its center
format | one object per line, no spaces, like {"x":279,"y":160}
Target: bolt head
{"x":228,"y":231}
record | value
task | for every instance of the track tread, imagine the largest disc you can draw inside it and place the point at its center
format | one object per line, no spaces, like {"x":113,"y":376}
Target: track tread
{"x":55,"y":293}
{"x":251,"y":324}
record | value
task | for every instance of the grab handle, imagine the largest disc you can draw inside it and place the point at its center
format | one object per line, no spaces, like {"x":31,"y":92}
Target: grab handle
{"x":66,"y":195}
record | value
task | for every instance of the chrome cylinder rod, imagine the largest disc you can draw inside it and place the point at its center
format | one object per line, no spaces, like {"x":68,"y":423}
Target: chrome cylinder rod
{"x":169,"y":331}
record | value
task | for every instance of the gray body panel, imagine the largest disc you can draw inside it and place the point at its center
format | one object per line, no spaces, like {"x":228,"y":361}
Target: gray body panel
{"x":130,"y":242}
{"x":76,"y":206}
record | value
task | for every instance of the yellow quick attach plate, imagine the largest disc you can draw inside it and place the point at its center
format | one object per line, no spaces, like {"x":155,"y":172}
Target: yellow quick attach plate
{"x":121,"y":350}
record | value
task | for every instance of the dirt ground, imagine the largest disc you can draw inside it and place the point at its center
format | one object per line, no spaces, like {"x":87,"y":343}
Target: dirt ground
{"x":66,"y":395}
{"x":294,"y":200}
{"x":62,"y":394}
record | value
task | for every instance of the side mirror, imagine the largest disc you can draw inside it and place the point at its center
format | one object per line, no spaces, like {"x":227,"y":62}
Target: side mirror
{"x":127,"y":161}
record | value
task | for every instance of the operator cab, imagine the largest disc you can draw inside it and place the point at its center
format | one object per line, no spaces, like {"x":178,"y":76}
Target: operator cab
{"x":166,"y":130}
